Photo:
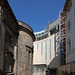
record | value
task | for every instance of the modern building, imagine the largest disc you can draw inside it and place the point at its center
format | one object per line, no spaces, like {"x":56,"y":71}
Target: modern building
{"x":46,"y":55}
{"x":24,"y":52}
{"x":62,"y":41}
{"x":54,"y":47}
{"x":70,"y":30}
{"x":8,"y":38}
{"x":69,"y":67}
{"x":69,"y":8}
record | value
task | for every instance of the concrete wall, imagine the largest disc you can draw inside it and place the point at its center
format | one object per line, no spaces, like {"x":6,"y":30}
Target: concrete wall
{"x":70,"y":34}
{"x":68,"y":69}
{"x":39,"y":58}
{"x":59,"y":71}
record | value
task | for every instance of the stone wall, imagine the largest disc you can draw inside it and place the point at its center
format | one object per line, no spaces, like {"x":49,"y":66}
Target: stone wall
{"x":8,"y":32}
{"x":2,"y":37}
{"x":24,"y":40}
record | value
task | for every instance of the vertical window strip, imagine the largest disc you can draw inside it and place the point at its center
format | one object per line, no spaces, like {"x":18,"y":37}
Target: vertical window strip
{"x":37,"y":46}
{"x":37,"y":68}
{"x":55,"y":43}
{"x":50,"y":48}
{"x":45,"y":51}
{"x":41,"y":48}
{"x":29,"y":57}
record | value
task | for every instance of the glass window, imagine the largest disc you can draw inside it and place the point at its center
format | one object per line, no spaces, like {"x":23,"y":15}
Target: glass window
{"x":37,"y":68}
{"x":29,"y":57}
{"x":41,"y":48}
{"x":37,"y":38}
{"x":42,"y":37}
{"x":50,"y":48}
{"x":37,"y":46}
{"x":55,"y":43}
{"x":46,"y":51}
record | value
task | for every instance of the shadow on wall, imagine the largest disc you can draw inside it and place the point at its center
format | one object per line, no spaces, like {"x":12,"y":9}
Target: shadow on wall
{"x":55,"y":62}
{"x":1,"y":72}
{"x":53,"y":65}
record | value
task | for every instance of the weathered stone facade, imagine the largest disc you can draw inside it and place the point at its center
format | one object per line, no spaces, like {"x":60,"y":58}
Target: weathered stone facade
{"x":2,"y":33}
{"x":16,"y":43}
{"x":8,"y":34}
{"x":24,"y":54}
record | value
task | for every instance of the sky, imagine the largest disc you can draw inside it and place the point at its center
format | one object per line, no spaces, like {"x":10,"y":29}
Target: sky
{"x":36,"y":13}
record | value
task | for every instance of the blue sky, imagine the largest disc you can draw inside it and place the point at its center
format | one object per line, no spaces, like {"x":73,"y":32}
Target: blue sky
{"x":36,"y":13}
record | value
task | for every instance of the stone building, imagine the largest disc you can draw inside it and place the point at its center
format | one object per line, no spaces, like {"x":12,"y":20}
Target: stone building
{"x":24,"y":54}
{"x":16,"y":43}
{"x":8,"y":36}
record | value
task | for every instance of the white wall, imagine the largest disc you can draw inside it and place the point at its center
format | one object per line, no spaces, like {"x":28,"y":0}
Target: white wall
{"x":40,"y":59}
{"x":70,"y":53}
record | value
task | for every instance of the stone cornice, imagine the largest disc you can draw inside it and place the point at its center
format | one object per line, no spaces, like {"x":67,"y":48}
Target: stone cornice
{"x":21,"y":28}
{"x":25,"y":27}
{"x":9,"y":14}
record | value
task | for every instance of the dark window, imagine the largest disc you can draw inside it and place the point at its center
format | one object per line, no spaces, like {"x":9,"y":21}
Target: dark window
{"x":29,"y":57}
{"x":53,"y":31}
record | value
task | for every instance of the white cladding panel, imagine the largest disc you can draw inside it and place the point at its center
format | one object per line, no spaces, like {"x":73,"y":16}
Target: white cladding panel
{"x":39,"y":58}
